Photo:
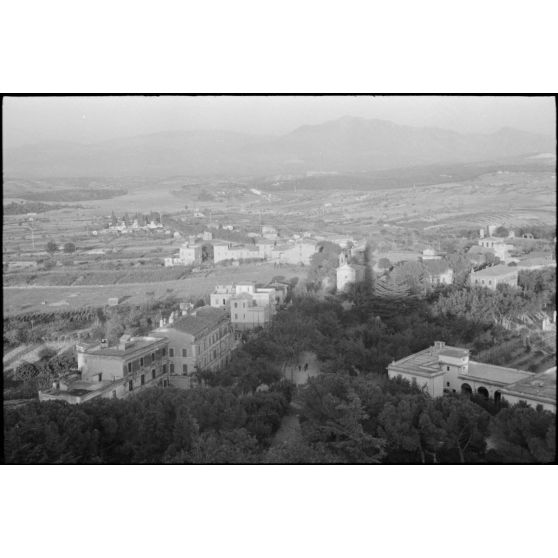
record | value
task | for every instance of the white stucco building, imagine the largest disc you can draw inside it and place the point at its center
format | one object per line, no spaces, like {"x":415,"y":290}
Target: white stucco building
{"x":224,"y":251}
{"x":249,"y":306}
{"x":443,"y":369}
{"x":347,"y":273}
{"x":113,"y":371}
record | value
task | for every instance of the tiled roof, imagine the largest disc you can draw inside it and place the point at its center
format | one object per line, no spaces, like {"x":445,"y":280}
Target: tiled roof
{"x":206,"y":318}
{"x":495,"y":271}
{"x":436,"y":267}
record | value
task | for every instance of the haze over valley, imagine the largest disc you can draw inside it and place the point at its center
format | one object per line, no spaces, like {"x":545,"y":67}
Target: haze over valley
{"x":348,"y":144}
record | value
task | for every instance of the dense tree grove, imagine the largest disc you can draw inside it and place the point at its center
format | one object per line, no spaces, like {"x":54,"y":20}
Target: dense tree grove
{"x":323,"y":264}
{"x":28,"y":378}
{"x":203,"y":425}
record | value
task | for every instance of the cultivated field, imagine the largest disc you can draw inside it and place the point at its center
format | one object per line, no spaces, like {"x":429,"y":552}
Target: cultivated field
{"x":31,"y":298}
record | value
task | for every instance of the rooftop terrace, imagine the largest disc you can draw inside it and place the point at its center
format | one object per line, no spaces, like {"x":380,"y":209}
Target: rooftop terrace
{"x":490,"y":373}
{"x":133,"y":345}
{"x":541,"y":386}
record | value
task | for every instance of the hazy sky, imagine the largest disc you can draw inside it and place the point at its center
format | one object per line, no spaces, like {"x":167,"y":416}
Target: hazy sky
{"x":91,"y":119}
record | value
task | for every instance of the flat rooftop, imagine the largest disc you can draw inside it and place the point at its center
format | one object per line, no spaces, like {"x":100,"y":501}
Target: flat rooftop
{"x":135,"y":344}
{"x":424,"y":362}
{"x":491,"y":373}
{"x":541,"y":385}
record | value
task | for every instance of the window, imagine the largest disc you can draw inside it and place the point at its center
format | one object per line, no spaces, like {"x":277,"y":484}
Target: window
{"x":114,"y":394}
{"x":141,"y":361}
{"x":184,"y":352}
{"x":171,"y":352}
{"x":163,"y":351}
{"x":236,"y":316}
{"x":153,"y":374}
{"x":171,"y":368}
{"x":152,"y":357}
{"x":489,"y":282}
{"x":184,"y":369}
{"x":224,"y":302}
{"x":236,"y":304}
{"x":164,"y":368}
{"x":142,"y":379}
{"x":130,"y":385}
{"x":129,"y":367}
{"x":447,"y":368}
{"x":447,"y":384}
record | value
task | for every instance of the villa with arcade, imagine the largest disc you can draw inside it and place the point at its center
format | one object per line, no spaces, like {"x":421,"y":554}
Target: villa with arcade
{"x":442,"y":369}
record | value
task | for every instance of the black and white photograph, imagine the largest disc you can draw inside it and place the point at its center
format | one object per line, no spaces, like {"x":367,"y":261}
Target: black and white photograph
{"x":279,"y":279}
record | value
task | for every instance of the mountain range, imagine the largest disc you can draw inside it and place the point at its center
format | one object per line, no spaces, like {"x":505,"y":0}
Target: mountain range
{"x":348,"y":144}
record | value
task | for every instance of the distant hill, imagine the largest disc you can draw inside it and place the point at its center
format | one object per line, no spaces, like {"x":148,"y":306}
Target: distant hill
{"x":347,"y":144}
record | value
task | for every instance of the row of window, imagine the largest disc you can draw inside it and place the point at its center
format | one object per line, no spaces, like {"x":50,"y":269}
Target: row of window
{"x":142,"y":377}
{"x":185,"y":366}
{"x":145,"y":361}
{"x":186,"y":351}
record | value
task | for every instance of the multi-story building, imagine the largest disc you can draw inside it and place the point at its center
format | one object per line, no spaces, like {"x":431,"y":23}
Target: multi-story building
{"x":247,"y":314}
{"x":190,"y":254}
{"x":442,"y":369}
{"x":249,"y":306}
{"x":493,"y":276}
{"x":201,"y":339}
{"x":113,"y":371}
{"x":223,"y":251}
{"x":262,"y":296}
